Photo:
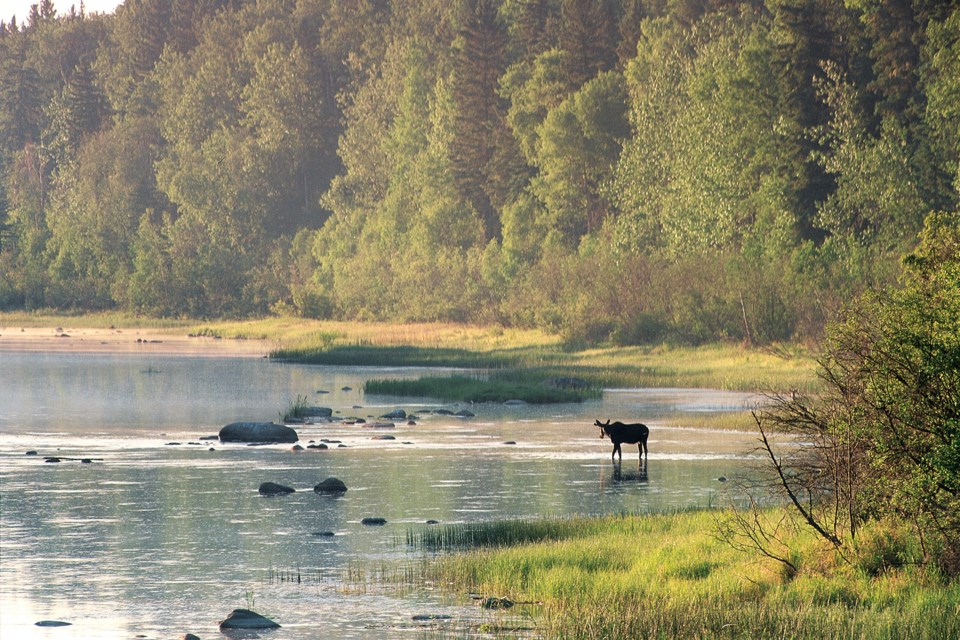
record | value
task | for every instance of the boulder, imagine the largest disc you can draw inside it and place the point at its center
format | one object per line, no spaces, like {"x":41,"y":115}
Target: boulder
{"x":246,"y":619}
{"x":396,"y":414}
{"x":315,"y":412}
{"x":274,"y":489}
{"x":257,"y":432}
{"x":331,"y":485}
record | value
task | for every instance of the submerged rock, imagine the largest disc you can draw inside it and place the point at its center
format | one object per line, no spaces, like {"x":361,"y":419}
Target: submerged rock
{"x":257,"y":432}
{"x":274,"y":489}
{"x":384,"y":437}
{"x":423,"y":617}
{"x":52,"y":623}
{"x":331,"y":485}
{"x":374,"y":522}
{"x":379,"y":425}
{"x":246,"y":619}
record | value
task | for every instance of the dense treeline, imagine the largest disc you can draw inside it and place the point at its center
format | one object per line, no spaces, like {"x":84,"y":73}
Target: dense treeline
{"x":622,"y":170}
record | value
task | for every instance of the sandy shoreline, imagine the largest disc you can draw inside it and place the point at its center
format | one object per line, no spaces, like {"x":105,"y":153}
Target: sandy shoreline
{"x":67,"y":339}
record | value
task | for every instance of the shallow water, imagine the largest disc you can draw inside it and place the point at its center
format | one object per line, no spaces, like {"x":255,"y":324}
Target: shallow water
{"x":163,"y":534}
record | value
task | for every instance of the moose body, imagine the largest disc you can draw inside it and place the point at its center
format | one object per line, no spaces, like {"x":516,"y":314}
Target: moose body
{"x":619,"y":433}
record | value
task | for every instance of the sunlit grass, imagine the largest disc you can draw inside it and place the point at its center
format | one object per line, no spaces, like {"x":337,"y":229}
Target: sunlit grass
{"x":669,"y":575}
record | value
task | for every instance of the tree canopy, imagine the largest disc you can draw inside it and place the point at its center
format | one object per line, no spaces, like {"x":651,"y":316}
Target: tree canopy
{"x":624,"y":170}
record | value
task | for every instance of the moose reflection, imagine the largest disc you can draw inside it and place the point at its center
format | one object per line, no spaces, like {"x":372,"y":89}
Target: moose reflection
{"x":640,"y":476}
{"x":619,"y":433}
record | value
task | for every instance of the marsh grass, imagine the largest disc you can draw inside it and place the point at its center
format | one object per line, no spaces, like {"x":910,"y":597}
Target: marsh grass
{"x":716,"y":366}
{"x":473,"y":389}
{"x":669,"y":575}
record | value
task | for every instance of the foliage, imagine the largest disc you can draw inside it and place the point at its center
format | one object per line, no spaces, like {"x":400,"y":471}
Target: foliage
{"x":883,"y":436}
{"x":622,"y":171}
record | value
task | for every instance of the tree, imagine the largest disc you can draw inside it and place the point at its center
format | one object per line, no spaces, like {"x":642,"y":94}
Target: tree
{"x":885,"y":433}
{"x":479,"y":61}
{"x":576,"y":143}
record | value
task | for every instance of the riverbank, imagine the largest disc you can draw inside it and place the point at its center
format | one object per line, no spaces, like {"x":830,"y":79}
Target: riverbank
{"x":670,"y":575}
{"x":517,"y":356}
{"x":67,"y":338}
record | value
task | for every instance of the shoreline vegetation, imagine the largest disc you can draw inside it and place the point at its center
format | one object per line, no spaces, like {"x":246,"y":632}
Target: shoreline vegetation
{"x":670,"y":575}
{"x":504,"y":364}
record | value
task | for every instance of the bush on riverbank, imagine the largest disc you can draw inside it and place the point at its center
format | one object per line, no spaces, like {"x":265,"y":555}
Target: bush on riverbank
{"x":670,"y":575}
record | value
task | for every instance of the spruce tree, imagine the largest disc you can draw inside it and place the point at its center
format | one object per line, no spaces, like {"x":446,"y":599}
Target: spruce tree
{"x":479,"y":61}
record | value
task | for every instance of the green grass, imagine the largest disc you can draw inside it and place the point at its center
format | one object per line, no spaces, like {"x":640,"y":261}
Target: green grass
{"x":468,"y":389}
{"x":670,"y":576}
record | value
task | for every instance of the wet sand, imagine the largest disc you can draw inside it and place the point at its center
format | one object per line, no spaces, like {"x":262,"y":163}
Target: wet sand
{"x":68,"y":339}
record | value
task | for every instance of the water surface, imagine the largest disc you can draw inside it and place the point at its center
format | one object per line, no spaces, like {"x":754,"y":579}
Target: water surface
{"x":164,"y":533}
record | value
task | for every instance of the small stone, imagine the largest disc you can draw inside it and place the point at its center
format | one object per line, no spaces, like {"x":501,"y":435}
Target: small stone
{"x":432,"y":522}
{"x":346,"y":389}
{"x":510,"y":442}
{"x":52,"y":459}
{"x":324,"y":534}
{"x":722,"y":479}
{"x":383,"y":437}
{"x":274,"y":489}
{"x":52,"y":623}
{"x":422,"y":617}
{"x":296,"y":447}
{"x":374,"y":522}
{"x":331,"y":485}
{"x":189,"y":636}
{"x":86,"y":461}
{"x":31,"y":453}
{"x":497,"y":603}
{"x":317,"y":446}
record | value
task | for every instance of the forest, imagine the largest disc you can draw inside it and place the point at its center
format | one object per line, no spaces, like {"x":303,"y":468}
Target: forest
{"x":617,"y":171}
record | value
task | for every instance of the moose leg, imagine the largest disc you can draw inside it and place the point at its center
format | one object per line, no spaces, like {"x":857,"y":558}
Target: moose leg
{"x":616,"y":451}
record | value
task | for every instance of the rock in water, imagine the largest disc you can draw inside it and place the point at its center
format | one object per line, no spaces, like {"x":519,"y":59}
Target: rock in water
{"x":257,"y":432}
{"x":331,"y":485}
{"x":246,"y":619}
{"x":52,"y":623}
{"x":273,"y":489}
{"x":373,"y":522}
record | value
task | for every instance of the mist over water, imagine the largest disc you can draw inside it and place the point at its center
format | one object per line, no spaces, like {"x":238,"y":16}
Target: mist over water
{"x":160,"y":535}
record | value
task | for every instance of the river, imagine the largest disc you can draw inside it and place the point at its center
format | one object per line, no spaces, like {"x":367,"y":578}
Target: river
{"x":163,"y":533}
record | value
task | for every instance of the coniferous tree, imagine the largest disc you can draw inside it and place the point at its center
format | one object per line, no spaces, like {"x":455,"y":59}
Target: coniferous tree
{"x":587,"y":29}
{"x":479,"y":61}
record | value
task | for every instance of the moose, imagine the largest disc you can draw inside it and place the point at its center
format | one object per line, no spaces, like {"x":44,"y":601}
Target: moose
{"x":619,"y":433}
